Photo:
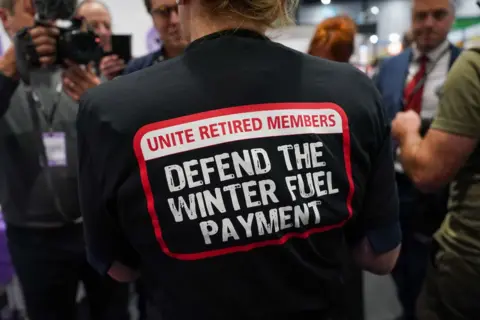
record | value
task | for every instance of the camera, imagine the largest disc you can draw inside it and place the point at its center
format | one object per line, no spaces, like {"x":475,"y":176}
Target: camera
{"x":78,"y":45}
{"x":74,"y":43}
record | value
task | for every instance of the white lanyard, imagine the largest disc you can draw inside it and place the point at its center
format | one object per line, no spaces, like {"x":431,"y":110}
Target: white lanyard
{"x":48,"y":116}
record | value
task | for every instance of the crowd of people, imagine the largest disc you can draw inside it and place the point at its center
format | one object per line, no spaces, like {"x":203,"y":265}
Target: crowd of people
{"x":159,"y":171}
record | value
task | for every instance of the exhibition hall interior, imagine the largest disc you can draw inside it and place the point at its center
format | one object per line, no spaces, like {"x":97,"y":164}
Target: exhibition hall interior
{"x":380,"y":33}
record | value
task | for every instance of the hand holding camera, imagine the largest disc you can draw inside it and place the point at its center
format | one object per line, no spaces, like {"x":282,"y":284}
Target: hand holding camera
{"x":78,"y":79}
{"x":44,"y":38}
{"x":111,"y":66}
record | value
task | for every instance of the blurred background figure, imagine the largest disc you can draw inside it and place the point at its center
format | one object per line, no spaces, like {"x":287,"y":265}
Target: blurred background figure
{"x":77,"y":80}
{"x":411,"y":81}
{"x":164,"y":15}
{"x":38,"y":179}
{"x":450,"y":153}
{"x":334,"y":39}
{"x":97,"y":16}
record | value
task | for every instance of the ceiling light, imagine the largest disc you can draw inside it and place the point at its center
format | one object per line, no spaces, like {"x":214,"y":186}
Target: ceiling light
{"x":394,"y":37}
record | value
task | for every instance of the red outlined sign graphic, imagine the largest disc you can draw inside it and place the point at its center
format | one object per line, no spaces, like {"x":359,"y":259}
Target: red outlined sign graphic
{"x":228,"y":125}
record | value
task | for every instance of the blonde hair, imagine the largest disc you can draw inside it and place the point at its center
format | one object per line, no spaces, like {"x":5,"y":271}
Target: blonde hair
{"x":269,"y":13}
{"x":336,"y":36}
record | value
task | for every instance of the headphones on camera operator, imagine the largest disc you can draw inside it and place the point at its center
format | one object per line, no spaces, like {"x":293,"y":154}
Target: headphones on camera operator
{"x":74,"y":44}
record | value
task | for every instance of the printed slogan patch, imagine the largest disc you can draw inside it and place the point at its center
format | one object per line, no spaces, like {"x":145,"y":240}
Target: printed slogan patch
{"x":240,"y":178}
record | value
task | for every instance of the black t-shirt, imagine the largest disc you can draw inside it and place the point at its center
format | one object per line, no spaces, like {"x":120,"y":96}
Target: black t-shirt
{"x":228,"y":175}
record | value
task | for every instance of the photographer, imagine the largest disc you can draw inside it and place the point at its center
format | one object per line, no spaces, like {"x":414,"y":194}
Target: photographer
{"x":38,"y":180}
{"x":97,"y":15}
{"x":77,"y":80}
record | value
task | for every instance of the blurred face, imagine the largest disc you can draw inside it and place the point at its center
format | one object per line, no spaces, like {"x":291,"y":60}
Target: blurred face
{"x":431,"y":22}
{"x":166,"y":21}
{"x":14,"y":20}
{"x":99,"y":19}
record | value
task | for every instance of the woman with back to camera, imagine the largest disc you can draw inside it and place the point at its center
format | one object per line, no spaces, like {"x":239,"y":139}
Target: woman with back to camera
{"x":225,"y":176}
{"x":334,"y":39}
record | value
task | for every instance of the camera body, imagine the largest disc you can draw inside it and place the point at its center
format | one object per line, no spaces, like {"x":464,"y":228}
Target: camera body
{"x":77,"y":45}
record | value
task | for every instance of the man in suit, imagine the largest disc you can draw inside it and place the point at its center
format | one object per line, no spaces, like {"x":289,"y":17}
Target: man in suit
{"x":165,"y":19}
{"x":413,"y":81}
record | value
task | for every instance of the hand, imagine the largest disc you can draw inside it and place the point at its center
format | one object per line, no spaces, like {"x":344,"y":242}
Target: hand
{"x":77,"y":80}
{"x":405,"y":123}
{"x":24,"y":19}
{"x":45,"y":40}
{"x":111,"y":66}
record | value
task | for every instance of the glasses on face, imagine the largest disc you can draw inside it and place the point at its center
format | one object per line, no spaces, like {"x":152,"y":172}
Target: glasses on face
{"x":438,"y":15}
{"x":165,"y":11}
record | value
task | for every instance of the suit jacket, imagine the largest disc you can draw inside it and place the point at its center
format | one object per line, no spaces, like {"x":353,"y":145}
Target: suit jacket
{"x":426,"y":210}
{"x":142,"y":62}
{"x":391,"y":77}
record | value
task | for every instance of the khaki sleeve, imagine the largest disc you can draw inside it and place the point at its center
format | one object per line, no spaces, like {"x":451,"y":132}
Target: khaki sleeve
{"x":459,"y":110}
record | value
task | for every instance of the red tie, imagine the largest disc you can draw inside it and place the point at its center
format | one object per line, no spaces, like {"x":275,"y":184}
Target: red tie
{"x":412,"y":95}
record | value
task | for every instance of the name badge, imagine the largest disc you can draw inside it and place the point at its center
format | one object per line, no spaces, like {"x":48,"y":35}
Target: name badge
{"x":55,"y":148}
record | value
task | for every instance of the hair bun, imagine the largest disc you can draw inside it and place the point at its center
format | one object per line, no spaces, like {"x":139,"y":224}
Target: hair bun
{"x":336,"y":35}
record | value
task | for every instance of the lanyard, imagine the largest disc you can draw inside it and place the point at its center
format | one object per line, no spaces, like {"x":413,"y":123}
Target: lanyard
{"x":34,"y":102}
{"x":422,"y":81}
{"x":49,"y":117}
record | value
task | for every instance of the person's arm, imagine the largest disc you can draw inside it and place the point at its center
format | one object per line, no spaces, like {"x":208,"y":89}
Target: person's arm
{"x":122,"y":273}
{"x":100,"y":158}
{"x":44,"y":39}
{"x":8,"y":79}
{"x":377,"y":227}
{"x":434,"y":161}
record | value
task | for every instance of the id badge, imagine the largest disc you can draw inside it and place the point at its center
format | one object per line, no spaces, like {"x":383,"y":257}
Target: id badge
{"x":55,"y":148}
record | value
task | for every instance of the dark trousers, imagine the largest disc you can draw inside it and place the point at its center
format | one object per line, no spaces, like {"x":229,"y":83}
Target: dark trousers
{"x":409,"y":273}
{"x":50,"y":263}
{"x":354,"y":302}
{"x":146,"y":309}
{"x":141,"y":300}
{"x":452,"y":288}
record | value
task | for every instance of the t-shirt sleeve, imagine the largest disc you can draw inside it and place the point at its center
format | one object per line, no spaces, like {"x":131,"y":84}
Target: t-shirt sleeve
{"x":378,"y":218}
{"x":459,"y":109}
{"x":380,"y":214}
{"x":99,"y":165}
